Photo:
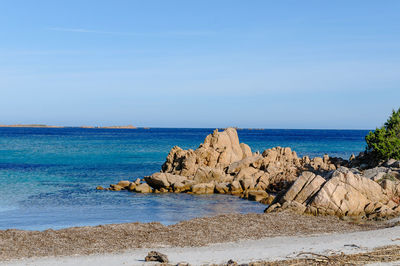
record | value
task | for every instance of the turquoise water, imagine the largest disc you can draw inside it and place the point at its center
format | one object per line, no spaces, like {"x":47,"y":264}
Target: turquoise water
{"x":48,"y":176}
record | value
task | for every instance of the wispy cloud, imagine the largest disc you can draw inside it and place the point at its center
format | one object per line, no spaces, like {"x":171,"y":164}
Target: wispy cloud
{"x":188,"y":33}
{"x":81,"y":30}
{"x":167,"y":33}
{"x":11,"y":53}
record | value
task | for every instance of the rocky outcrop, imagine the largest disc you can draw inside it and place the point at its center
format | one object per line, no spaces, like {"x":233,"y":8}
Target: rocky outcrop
{"x":317,"y":186}
{"x":221,"y":164}
{"x":224,"y":165}
{"x":344,"y":192}
{"x":218,"y":151}
{"x":136,"y":186}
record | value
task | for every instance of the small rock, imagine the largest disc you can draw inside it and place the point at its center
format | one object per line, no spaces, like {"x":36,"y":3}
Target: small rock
{"x":123,"y":183}
{"x":378,"y":176}
{"x":156,"y":256}
{"x":396,"y":164}
{"x":371,"y":173}
{"x":99,"y":188}
{"x":257,"y":195}
{"x":132,"y":186}
{"x":115,"y":187}
{"x":143,"y":188}
{"x":268,"y":200}
{"x":222,"y":188}
{"x":390,"y":162}
{"x":203,"y":188}
{"x":231,"y":263}
{"x":182,"y":264}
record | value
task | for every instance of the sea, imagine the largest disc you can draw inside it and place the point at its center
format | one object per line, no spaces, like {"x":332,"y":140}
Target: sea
{"x":48,"y":176}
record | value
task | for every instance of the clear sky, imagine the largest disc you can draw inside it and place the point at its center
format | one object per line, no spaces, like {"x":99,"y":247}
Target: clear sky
{"x":270,"y":64}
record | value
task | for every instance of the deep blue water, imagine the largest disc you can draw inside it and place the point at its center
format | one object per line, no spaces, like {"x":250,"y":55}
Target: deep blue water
{"x":48,"y":176}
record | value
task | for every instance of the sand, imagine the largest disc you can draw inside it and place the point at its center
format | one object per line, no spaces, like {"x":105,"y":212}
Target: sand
{"x":244,"y":238}
{"x":289,"y":248}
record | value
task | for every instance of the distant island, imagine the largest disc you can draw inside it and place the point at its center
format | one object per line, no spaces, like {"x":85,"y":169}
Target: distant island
{"x":112,"y":127}
{"x":49,"y":126}
{"x":32,"y":125}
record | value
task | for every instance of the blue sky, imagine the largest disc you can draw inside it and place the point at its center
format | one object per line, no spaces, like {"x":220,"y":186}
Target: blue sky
{"x":270,"y":64}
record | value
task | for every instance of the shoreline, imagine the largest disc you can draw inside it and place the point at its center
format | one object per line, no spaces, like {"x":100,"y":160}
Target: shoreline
{"x":198,"y":232}
{"x":323,"y":237}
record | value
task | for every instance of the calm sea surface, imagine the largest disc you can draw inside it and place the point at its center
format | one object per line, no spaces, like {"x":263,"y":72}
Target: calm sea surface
{"x":48,"y":176}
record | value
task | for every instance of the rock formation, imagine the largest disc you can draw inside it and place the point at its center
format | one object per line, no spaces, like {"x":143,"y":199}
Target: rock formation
{"x":343,"y":192}
{"x":318,"y":186}
{"x":219,"y":150}
{"x":224,"y":165}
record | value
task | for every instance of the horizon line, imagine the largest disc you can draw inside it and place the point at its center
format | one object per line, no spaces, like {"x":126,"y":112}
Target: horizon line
{"x":167,"y":127}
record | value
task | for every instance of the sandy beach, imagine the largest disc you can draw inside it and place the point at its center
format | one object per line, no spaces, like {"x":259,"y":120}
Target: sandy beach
{"x":210,"y":240}
{"x":267,"y":249}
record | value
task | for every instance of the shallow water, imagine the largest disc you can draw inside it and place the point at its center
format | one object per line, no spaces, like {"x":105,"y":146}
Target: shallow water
{"x":49,"y":176}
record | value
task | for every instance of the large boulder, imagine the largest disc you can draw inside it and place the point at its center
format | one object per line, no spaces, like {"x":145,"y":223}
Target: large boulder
{"x":235,"y":167}
{"x":277,"y":169}
{"x":124,"y":183}
{"x":347,"y":194}
{"x":218,"y":151}
{"x":143,"y":188}
{"x":206,"y":174}
{"x":163,"y":180}
{"x":203,"y":188}
{"x":342,"y":194}
{"x":303,"y":189}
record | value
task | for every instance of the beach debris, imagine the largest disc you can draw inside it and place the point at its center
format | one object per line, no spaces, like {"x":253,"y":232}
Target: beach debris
{"x":156,"y":256}
{"x":352,"y":245}
{"x":314,"y":256}
{"x":231,"y":263}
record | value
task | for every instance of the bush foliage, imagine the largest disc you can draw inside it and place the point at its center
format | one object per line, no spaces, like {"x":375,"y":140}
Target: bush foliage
{"x":384,"y":142}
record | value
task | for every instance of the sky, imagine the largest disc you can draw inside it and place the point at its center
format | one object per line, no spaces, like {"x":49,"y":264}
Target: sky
{"x":218,"y":63}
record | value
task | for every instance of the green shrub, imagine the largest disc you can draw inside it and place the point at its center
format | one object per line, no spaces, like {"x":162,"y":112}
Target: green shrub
{"x":384,"y":142}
